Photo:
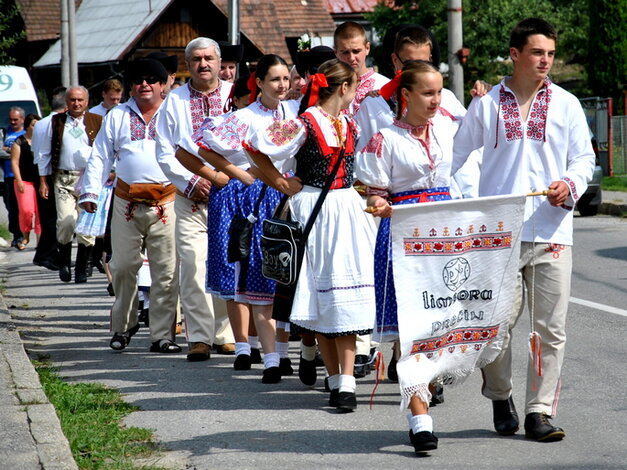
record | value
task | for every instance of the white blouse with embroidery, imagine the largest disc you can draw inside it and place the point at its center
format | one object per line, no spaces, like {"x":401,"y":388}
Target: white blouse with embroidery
{"x":283,"y":139}
{"x":519,"y":157}
{"x":395,"y":160}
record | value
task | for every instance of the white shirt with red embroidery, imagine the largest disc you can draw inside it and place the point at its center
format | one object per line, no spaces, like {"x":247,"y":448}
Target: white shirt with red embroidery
{"x":520,"y":157}
{"x":128,"y":142}
{"x":283,"y":139}
{"x":225,"y":134}
{"x":396,"y":161}
{"x":369,"y":81}
{"x":183,"y":111}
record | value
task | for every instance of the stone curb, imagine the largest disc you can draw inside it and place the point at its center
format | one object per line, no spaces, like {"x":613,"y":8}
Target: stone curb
{"x":29,"y":407}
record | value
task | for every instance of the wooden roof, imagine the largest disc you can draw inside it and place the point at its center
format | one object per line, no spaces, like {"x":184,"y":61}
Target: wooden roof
{"x":41,"y":18}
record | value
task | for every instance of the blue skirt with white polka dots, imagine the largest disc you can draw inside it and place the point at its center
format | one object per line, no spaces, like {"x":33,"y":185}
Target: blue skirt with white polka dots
{"x":223,"y":204}
{"x":252,"y":287}
{"x":387,"y":320}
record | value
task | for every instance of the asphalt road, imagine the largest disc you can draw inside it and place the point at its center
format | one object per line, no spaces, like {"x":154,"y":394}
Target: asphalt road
{"x":208,"y":416}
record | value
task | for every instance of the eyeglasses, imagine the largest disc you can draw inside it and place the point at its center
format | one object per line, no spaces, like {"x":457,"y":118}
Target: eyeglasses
{"x":148,"y":80}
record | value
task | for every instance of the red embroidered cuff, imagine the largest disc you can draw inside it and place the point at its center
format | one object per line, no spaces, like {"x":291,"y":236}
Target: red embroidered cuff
{"x":250,"y":149}
{"x":191,"y":185}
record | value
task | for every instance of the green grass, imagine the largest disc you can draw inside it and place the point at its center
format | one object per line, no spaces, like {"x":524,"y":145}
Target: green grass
{"x":614,"y":183}
{"x":90,"y":416}
{"x":4,"y":233}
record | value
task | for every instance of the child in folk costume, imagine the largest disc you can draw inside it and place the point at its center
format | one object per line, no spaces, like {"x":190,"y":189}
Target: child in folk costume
{"x":220,"y":145}
{"x":335,"y":292}
{"x":407,"y":162}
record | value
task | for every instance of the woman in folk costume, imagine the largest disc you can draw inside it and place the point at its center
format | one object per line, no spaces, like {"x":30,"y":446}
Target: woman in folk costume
{"x":335,"y":292}
{"x":220,"y":141}
{"x":407,"y":162}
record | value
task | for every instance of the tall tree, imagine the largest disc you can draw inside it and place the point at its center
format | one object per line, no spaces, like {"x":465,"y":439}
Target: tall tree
{"x":9,"y":37}
{"x":607,"y":71}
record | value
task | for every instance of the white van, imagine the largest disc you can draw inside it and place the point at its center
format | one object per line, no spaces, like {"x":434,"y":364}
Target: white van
{"x":16,"y":89}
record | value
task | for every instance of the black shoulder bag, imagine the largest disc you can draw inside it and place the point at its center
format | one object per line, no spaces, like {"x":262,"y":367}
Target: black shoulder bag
{"x":283,"y":244}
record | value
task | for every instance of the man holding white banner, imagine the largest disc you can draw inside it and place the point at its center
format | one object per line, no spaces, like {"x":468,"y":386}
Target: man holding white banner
{"x":535,"y":137}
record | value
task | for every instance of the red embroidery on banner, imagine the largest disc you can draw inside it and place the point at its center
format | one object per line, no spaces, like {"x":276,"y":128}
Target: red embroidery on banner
{"x":375,"y":145}
{"x":457,"y":245}
{"x":457,"y":339}
{"x":281,"y":132}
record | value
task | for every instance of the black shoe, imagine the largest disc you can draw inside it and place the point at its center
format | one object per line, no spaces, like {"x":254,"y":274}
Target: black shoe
{"x":333,"y":397}
{"x":65,"y":274}
{"x":346,"y":402}
{"x":285,"y":366}
{"x":80,"y":277}
{"x":83,"y":255}
{"x":505,"y":417}
{"x":144,"y":315}
{"x":538,"y":427}
{"x":326,"y":384}
{"x":307,"y":372}
{"x":112,"y":294}
{"x":165,"y":346}
{"x":242,"y":362}
{"x":318,"y":360}
{"x":119,"y":341}
{"x":271,"y":375}
{"x":255,"y":356}
{"x":437,"y":394}
{"x":362,"y":366}
{"x":423,"y":441}
{"x":392,"y":373}
{"x":46,"y":263}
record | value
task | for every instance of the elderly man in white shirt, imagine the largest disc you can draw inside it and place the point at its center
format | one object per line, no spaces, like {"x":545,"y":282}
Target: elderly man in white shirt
{"x":535,"y":137}
{"x":63,"y":154}
{"x":142,"y":211}
{"x":184,"y":110}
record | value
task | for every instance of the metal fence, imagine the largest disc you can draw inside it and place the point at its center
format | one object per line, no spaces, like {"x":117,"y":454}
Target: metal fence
{"x":619,"y":144}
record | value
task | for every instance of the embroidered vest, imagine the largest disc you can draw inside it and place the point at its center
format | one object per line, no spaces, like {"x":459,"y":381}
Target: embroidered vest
{"x":92,"y":126}
{"x":315,"y":159}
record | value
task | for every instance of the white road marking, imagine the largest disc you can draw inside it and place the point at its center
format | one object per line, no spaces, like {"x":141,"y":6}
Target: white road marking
{"x":605,"y":308}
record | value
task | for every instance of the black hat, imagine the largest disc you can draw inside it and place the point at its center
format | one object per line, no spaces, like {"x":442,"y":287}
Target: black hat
{"x":309,"y":61}
{"x":169,"y":62}
{"x":231,"y":52}
{"x":387,"y":47}
{"x":145,"y":68}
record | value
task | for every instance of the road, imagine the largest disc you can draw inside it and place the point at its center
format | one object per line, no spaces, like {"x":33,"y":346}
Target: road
{"x":209,"y":416}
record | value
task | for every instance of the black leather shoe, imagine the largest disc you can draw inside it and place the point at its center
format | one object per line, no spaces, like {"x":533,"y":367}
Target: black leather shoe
{"x":538,"y":427}
{"x":362,"y":367}
{"x":307,"y":372}
{"x":242,"y":362}
{"x":65,"y":274}
{"x":346,"y":402}
{"x":392,"y":374}
{"x":333,"y":397}
{"x":423,"y":441}
{"x":285,"y":366}
{"x":271,"y":375}
{"x":505,"y":417}
{"x":255,"y":356}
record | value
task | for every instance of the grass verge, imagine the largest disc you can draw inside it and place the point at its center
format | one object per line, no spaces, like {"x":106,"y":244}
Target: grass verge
{"x":90,"y":416}
{"x":4,"y":233}
{"x":614,"y":183}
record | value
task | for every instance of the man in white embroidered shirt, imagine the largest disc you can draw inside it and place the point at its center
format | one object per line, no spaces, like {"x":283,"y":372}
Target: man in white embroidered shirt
{"x":535,"y":137}
{"x":142,"y":210}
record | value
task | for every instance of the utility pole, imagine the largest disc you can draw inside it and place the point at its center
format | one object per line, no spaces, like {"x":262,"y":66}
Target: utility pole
{"x":233,"y":22}
{"x":65,"y":46}
{"x":455,"y":43}
{"x":72,"y":40}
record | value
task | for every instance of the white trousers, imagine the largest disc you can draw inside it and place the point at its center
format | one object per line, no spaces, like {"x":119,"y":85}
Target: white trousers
{"x":66,"y":199}
{"x":551,"y":291}
{"x":205,"y":318}
{"x":134,"y":226}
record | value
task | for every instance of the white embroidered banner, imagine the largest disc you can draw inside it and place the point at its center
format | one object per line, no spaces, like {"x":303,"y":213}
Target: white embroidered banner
{"x":455,"y":265}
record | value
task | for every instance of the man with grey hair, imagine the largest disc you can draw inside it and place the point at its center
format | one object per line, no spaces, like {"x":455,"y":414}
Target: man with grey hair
{"x":182,"y":113}
{"x":15,"y":129}
{"x":63,"y":154}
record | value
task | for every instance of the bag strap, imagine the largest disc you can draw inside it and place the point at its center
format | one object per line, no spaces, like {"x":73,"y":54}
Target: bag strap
{"x":322,"y":197}
{"x":252,"y":217}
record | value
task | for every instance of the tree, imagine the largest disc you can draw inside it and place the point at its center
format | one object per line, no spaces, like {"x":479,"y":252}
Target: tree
{"x":487,"y":25}
{"x":607,"y":70}
{"x":9,"y":13}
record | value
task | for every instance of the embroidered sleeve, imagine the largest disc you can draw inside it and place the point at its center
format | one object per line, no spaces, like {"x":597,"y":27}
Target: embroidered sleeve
{"x":372,"y":164}
{"x":374,"y":145}
{"x":281,"y":140}
{"x":191,"y":185}
{"x":225,"y":136}
{"x":281,"y":132}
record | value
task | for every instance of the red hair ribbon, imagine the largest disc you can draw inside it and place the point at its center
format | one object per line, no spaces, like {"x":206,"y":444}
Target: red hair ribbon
{"x":388,"y":90}
{"x":251,"y":84}
{"x":317,"y":81}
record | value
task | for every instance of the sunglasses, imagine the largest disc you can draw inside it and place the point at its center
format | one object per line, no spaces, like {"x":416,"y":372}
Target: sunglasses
{"x":148,"y":80}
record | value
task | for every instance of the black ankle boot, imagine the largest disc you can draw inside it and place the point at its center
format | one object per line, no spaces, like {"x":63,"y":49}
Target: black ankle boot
{"x":65,"y":259}
{"x":80,"y":270}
